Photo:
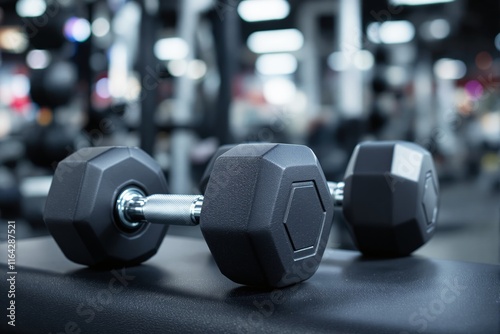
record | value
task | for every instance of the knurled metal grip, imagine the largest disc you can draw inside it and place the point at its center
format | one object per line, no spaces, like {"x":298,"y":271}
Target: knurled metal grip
{"x":173,"y":209}
{"x":133,"y":209}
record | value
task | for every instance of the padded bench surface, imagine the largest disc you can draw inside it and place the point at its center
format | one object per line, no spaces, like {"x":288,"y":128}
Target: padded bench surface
{"x":181,"y":290}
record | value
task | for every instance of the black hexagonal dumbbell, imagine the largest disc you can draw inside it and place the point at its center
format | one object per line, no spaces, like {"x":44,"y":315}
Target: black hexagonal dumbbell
{"x":265,"y":214}
{"x":389,"y":196}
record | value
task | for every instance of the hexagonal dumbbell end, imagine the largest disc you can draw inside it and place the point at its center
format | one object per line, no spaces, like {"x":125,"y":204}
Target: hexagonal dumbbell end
{"x":267,"y":214}
{"x":79,"y":211}
{"x":390,"y":197}
{"x":208,"y":170}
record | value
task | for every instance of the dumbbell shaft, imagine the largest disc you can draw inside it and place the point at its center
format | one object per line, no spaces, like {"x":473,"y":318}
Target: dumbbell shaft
{"x":337,"y":192}
{"x":134,"y":208}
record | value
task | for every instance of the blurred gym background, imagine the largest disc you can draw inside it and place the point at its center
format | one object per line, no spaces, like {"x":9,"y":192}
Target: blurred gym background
{"x":180,"y":78}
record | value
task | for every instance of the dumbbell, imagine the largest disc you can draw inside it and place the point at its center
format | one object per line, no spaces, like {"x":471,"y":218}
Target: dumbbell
{"x":265,"y":214}
{"x":55,"y":85}
{"x":389,"y":196}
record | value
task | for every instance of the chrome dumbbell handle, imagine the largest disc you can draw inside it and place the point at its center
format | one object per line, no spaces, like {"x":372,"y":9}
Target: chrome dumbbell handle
{"x":337,"y":192}
{"x":133,"y":208}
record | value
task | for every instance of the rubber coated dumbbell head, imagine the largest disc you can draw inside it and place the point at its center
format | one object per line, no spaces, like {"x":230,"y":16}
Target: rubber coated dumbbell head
{"x":390,"y":197}
{"x":267,"y":214}
{"x":208,"y":170}
{"x":79,"y":211}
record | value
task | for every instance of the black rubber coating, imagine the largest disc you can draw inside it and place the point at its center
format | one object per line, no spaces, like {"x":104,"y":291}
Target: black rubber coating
{"x":391,"y":197}
{"x":79,"y":212}
{"x":208,"y":170}
{"x":255,"y":214}
{"x":388,"y":215}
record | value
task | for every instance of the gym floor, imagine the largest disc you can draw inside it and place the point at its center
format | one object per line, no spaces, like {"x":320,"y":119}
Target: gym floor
{"x":468,"y":225}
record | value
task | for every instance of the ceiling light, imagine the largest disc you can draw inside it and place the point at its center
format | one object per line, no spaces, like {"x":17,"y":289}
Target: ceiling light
{"x":38,"y":59}
{"x":276,"y":64}
{"x":171,"y":48}
{"x":279,"y":91}
{"x":30,"y":8}
{"x":362,"y":60}
{"x":396,"y":32}
{"x":450,"y":69}
{"x":417,"y":2}
{"x":13,"y":39}
{"x":77,"y":29}
{"x":259,"y":10}
{"x":100,"y":27}
{"x":337,"y":61}
{"x":439,"y":28}
{"x":285,"y":40}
